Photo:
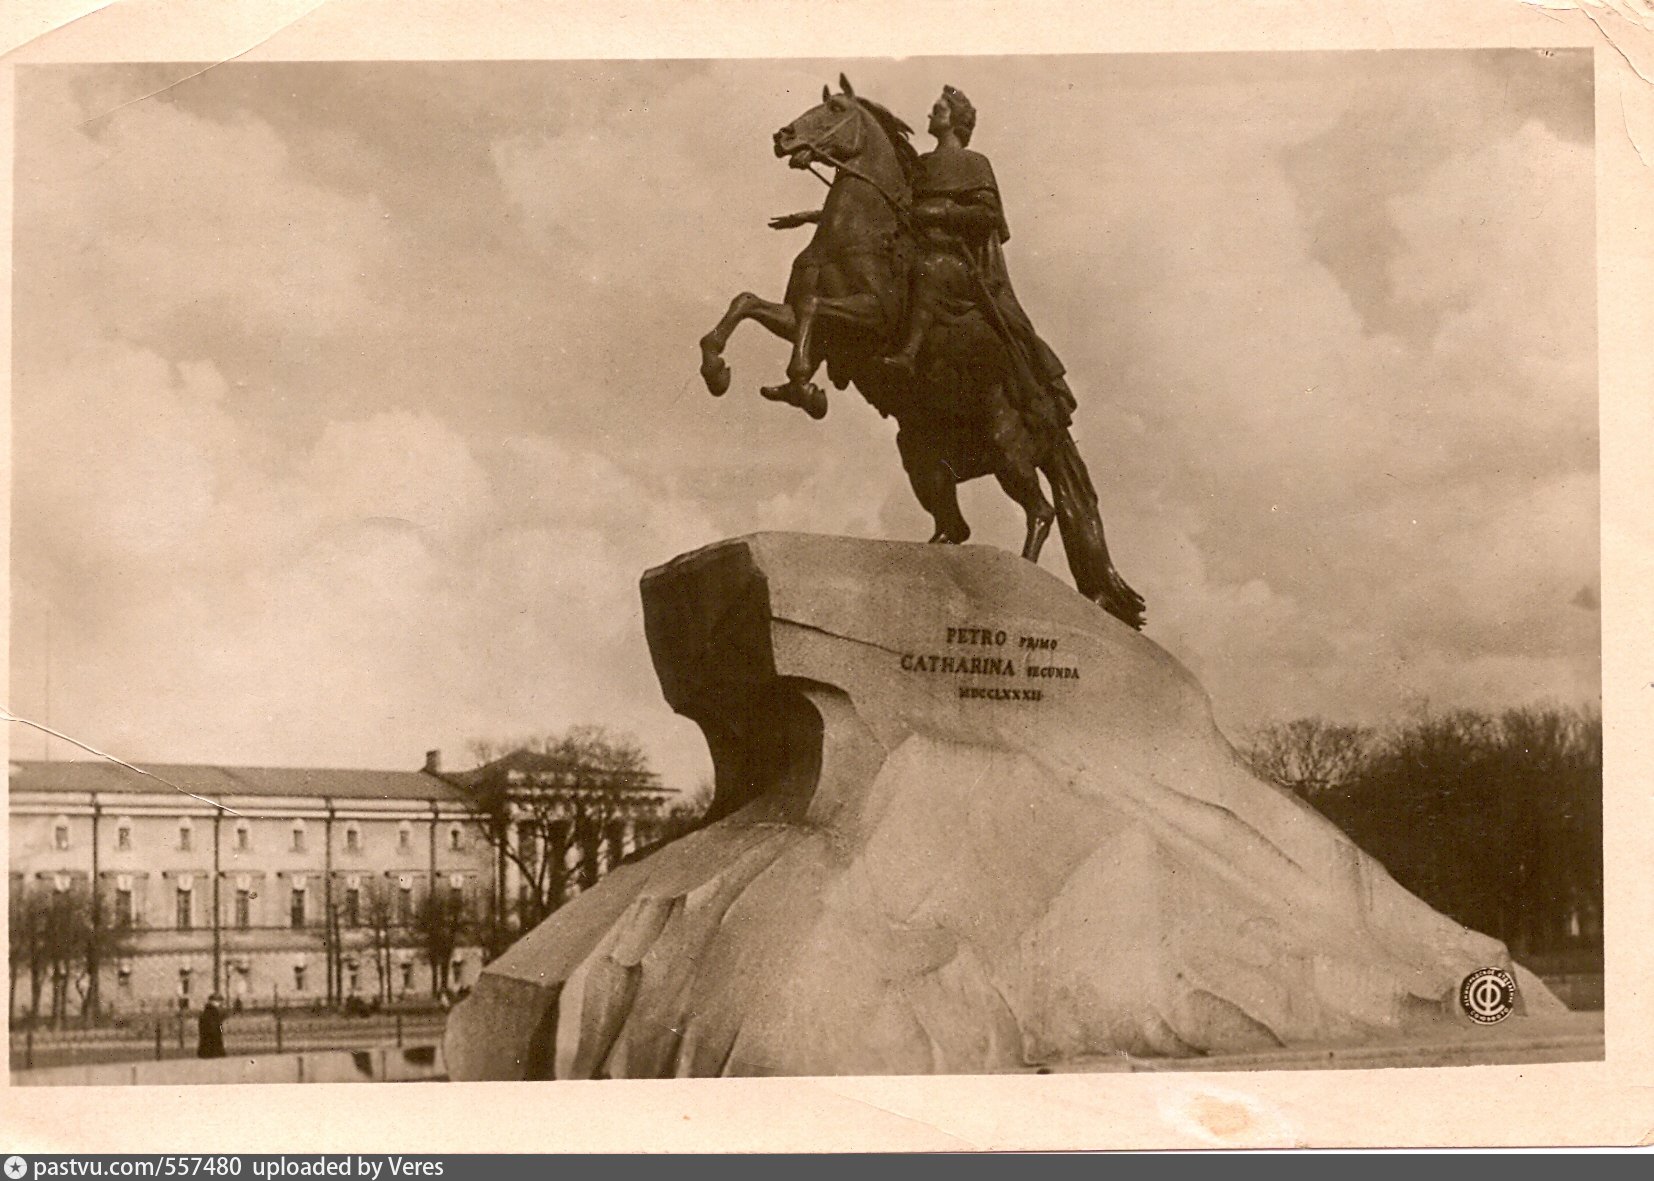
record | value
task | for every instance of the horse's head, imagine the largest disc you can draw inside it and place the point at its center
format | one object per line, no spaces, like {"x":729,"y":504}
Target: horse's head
{"x":831,"y":131}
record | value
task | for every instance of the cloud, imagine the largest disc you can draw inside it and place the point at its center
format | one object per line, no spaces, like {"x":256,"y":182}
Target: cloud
{"x":157,"y":212}
{"x":1413,"y":112}
{"x":122,"y":454}
{"x":1305,"y":492}
{"x":399,"y":467}
{"x":378,"y":586}
{"x":1493,"y":246}
{"x":353,"y":400}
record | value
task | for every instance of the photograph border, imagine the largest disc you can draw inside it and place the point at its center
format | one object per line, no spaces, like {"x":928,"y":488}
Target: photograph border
{"x":1607,"y":1102}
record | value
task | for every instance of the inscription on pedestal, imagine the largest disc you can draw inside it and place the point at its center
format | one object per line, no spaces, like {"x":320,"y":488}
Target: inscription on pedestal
{"x":1010,"y":662}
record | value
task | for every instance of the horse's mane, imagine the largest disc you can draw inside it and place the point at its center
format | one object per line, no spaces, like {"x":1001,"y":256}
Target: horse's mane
{"x":897,"y":132}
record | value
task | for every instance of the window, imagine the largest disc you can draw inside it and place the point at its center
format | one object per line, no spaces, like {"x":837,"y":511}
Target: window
{"x":353,"y":906}
{"x":243,"y":836}
{"x":404,"y":902}
{"x":184,"y":975}
{"x":456,"y":897}
{"x":243,"y":908}
{"x":404,"y":836}
{"x":123,"y":835}
{"x":298,"y":977}
{"x":353,"y":837}
{"x":353,"y":976}
{"x":407,"y":975}
{"x":60,"y":833}
{"x":295,"y":907}
{"x":298,"y":836}
{"x":456,"y":837}
{"x":123,"y":906}
{"x":186,"y":912}
{"x":186,"y":836}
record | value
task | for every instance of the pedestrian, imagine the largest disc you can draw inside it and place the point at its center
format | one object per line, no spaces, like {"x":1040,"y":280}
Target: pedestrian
{"x":211,"y":1026}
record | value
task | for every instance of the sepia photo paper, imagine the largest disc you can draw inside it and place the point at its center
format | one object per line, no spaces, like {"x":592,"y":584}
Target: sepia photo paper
{"x":828,"y":577}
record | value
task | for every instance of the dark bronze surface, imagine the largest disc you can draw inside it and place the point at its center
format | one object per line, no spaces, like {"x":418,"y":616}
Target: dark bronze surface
{"x":903,"y":292}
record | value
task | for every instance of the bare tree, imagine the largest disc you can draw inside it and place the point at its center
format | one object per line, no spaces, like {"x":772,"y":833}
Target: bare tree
{"x":1549,"y":823}
{"x":685,"y":814}
{"x":440,"y":925}
{"x":379,"y":916}
{"x":554,"y":807}
{"x":55,"y":940}
{"x":29,"y":947}
{"x":486,"y":750}
{"x":1495,"y":820}
{"x":1310,"y":756}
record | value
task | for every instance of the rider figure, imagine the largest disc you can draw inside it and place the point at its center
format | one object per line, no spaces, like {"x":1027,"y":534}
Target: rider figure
{"x":956,"y":204}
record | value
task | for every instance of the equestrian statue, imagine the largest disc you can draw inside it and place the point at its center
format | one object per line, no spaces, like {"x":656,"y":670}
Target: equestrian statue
{"x":903,"y":291}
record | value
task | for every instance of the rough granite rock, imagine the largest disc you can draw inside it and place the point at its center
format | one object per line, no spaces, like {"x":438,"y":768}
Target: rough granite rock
{"x":906,"y":869}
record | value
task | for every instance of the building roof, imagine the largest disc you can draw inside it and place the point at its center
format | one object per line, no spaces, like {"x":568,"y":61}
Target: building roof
{"x":88,"y":775}
{"x":529,"y":770}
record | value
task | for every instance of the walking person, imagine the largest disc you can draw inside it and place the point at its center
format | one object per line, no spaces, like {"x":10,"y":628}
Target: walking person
{"x":210,"y":1027}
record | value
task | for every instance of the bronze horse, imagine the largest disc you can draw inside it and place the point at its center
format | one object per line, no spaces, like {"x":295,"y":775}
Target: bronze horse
{"x":972,"y":406}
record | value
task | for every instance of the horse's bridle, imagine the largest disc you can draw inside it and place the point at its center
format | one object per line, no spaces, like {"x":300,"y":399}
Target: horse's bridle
{"x":984,"y":296}
{"x":814,"y":144}
{"x":814,"y":147}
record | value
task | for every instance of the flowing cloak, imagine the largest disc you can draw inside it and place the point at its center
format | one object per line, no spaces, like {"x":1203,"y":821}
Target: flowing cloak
{"x":967,"y":178}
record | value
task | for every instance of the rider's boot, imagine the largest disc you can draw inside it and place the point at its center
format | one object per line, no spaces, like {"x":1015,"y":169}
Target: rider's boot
{"x":902,"y":362}
{"x":904,"y":359}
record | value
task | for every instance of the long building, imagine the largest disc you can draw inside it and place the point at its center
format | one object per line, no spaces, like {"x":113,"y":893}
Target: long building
{"x":265,"y":883}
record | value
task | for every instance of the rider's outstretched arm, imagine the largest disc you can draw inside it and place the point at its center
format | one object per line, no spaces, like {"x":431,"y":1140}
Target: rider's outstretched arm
{"x":788,"y":221}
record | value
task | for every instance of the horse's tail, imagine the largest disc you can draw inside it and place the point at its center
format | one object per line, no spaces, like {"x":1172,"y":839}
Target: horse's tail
{"x":1081,"y":524}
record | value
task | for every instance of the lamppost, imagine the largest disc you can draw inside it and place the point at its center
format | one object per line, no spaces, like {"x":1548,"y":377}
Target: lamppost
{"x":217,"y":907}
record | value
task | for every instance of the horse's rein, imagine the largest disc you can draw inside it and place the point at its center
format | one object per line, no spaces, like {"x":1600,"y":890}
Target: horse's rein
{"x":812,"y":143}
{"x":984,"y":296}
{"x":846,"y":167}
{"x":815,"y":148}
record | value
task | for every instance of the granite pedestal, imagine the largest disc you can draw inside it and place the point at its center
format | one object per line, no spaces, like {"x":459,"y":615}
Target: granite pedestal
{"x":964,"y":821}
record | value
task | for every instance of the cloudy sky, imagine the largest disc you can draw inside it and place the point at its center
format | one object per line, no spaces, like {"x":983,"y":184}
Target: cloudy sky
{"x":351,"y":401}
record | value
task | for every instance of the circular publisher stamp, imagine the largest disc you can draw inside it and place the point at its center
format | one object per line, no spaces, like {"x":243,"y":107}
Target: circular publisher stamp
{"x":1488,"y":995}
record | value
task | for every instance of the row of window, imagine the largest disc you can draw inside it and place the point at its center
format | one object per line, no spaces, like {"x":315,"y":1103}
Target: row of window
{"x":352,"y":913}
{"x":243,"y":841}
{"x":302,"y":979}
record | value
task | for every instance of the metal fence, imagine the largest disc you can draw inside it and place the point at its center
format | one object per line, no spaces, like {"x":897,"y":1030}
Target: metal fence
{"x":264,"y":1032}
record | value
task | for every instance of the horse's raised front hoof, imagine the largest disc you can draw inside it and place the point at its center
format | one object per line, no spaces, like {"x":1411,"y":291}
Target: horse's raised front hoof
{"x":714,"y":372}
{"x":811,"y":398}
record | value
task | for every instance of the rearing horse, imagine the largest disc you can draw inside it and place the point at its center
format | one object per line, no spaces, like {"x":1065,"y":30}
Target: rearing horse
{"x":969,"y":409}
